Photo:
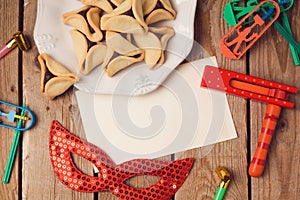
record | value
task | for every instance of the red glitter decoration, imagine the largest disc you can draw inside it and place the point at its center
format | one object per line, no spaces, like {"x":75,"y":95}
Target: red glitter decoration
{"x":222,"y":79}
{"x":112,"y":177}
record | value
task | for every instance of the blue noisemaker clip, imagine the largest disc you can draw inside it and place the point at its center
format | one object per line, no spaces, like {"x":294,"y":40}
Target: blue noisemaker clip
{"x":12,"y":116}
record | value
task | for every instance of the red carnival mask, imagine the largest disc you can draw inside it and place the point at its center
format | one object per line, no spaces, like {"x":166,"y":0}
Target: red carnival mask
{"x":112,"y":177}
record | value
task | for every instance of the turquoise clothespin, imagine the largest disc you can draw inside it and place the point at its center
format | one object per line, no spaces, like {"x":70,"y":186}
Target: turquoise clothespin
{"x":286,"y":31}
{"x":234,"y":11}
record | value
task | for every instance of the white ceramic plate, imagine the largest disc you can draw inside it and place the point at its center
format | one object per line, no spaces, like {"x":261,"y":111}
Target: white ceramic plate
{"x":52,"y":36}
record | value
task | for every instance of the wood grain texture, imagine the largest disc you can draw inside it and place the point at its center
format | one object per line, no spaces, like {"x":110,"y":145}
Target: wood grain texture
{"x":271,"y":58}
{"x":38,"y":178}
{"x":203,"y":181}
{"x":9,"y":92}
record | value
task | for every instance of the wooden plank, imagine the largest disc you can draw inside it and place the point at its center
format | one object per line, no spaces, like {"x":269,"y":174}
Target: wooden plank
{"x":203,"y":181}
{"x":270,"y":58}
{"x":9,"y":92}
{"x":38,"y":178}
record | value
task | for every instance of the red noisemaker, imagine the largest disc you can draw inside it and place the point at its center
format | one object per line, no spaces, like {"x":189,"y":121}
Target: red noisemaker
{"x":241,"y":37}
{"x":273,"y":93}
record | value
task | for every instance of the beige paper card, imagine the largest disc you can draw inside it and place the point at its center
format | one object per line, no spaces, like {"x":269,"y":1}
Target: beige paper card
{"x":178,"y":116}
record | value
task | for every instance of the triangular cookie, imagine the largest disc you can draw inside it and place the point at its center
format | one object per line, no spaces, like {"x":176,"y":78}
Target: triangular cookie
{"x":126,"y":18}
{"x":102,"y":4}
{"x":88,"y":57}
{"x":87,"y":21}
{"x":165,"y":33}
{"x":150,"y":43}
{"x":60,"y":77}
{"x":158,"y":10}
{"x":120,"y":53}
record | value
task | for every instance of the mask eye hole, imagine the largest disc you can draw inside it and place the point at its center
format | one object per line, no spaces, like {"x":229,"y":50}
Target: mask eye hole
{"x":82,"y":164}
{"x":142,"y":181}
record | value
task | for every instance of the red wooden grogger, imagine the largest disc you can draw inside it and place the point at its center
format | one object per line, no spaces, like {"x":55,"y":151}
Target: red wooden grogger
{"x":273,"y":93}
{"x":112,"y":177}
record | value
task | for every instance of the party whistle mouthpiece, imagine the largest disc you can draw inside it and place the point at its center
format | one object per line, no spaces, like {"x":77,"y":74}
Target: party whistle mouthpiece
{"x":19,"y":40}
{"x":224,"y":175}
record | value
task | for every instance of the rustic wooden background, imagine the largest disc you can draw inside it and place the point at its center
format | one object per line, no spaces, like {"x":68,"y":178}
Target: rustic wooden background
{"x":270,"y":58}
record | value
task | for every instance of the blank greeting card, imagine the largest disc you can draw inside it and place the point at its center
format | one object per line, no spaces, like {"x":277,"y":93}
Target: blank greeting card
{"x":178,"y":116}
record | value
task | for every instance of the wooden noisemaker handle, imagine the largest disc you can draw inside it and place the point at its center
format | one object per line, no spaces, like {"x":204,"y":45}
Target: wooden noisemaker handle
{"x":269,"y":125}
